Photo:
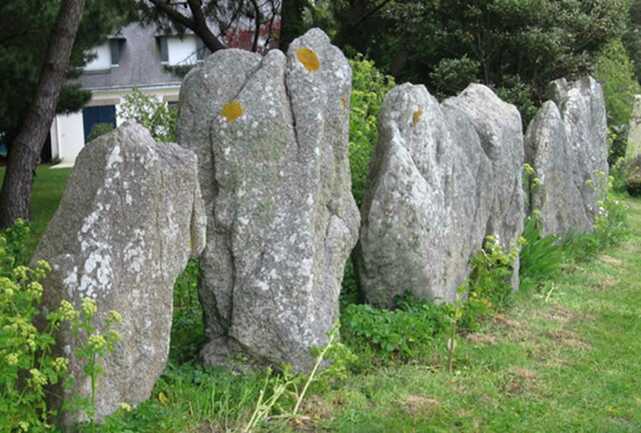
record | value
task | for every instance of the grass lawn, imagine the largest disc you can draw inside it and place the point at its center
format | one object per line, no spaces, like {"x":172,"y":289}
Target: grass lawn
{"x":47,"y":190}
{"x":563,"y":359}
{"x":566,"y":360}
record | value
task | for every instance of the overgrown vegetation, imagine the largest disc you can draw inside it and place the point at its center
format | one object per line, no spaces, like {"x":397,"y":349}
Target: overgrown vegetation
{"x":28,"y":362}
{"x":155,"y":115}
{"x":369,"y":87}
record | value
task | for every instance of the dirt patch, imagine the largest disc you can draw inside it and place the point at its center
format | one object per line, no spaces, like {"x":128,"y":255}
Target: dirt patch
{"x":609,"y":260}
{"x":503,"y":320}
{"x":568,"y":339}
{"x":519,"y":380}
{"x":481,"y":339}
{"x":418,"y":404}
{"x":605,"y":283}
{"x":559,"y":314}
{"x":317,"y":408}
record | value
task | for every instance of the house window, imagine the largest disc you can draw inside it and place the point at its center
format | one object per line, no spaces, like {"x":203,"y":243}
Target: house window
{"x":115,"y":47}
{"x":91,"y":116}
{"x":179,"y":50}
{"x":164,"y":50}
{"x":101,"y":58}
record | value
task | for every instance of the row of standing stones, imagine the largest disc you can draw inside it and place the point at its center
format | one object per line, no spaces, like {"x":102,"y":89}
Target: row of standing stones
{"x":259,"y":188}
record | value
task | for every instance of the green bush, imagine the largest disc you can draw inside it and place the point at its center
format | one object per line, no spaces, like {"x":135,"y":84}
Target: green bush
{"x":188,"y":329}
{"x":611,"y":228}
{"x":402,"y":334}
{"x":541,"y":256}
{"x":158,"y":117}
{"x":615,"y":71}
{"x":98,"y":130}
{"x":369,"y":87}
{"x":414,"y":329}
{"x":28,"y":364}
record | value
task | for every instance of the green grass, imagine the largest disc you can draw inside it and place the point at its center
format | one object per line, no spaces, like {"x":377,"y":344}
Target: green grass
{"x":48,"y":186}
{"x":564,"y":358}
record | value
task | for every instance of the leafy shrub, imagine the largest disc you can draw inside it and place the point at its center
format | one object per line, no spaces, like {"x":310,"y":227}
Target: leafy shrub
{"x":401,"y":334}
{"x":369,"y":87}
{"x":611,"y":228}
{"x":522,"y":95}
{"x":158,"y":117}
{"x":617,"y":142}
{"x":451,"y":76}
{"x":98,"y":130}
{"x":27,"y":362}
{"x":188,"y":329}
{"x":413,"y":329}
{"x":618,"y":172}
{"x":492,"y":270}
{"x":541,"y":256}
{"x":615,"y":71}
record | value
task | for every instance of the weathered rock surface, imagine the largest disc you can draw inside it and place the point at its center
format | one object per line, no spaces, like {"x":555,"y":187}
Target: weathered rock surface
{"x":633,"y":175}
{"x":634,"y":133}
{"x":272,"y":136}
{"x":499,"y":127}
{"x":633,"y":150}
{"x":443,"y":177}
{"x":566,"y":143}
{"x":130,"y":218}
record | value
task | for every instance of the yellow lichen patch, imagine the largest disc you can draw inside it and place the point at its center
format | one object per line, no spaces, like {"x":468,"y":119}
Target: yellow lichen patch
{"x":308,"y":58}
{"x":416,"y":117}
{"x":232,"y":111}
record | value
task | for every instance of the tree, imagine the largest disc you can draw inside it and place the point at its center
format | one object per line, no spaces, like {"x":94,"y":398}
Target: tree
{"x":28,"y":31}
{"x":632,"y":38}
{"x":515,"y":46}
{"x":214,"y":21}
{"x":15,"y":196}
{"x":25,"y":28}
{"x":292,"y":23}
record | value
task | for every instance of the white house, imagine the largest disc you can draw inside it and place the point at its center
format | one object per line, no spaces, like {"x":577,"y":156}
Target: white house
{"x":139,"y":56}
{"x":136,"y":57}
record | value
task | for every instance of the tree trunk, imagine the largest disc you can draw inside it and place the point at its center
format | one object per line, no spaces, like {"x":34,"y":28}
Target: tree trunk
{"x":24,"y":152}
{"x":291,"y":22}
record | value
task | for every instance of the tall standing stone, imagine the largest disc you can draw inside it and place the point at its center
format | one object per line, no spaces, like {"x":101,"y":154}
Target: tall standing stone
{"x":566,"y":143}
{"x":129,"y":219}
{"x":437,"y":187}
{"x":633,"y":150}
{"x":272,"y":136}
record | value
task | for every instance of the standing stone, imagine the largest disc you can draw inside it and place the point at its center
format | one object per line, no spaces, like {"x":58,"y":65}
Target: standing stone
{"x":437,"y":188}
{"x":566,"y":143}
{"x":499,"y":127}
{"x":130,"y":218}
{"x":272,"y":136}
{"x":633,"y":150}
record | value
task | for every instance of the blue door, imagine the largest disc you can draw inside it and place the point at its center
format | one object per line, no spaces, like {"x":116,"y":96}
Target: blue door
{"x":94,"y":115}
